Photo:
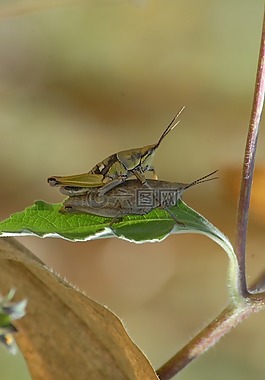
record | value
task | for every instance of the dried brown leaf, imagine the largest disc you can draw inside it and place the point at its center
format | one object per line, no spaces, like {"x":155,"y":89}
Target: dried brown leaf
{"x":65,"y":335}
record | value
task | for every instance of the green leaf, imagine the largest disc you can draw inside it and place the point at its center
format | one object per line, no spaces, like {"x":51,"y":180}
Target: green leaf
{"x":4,"y":321}
{"x":46,"y":220}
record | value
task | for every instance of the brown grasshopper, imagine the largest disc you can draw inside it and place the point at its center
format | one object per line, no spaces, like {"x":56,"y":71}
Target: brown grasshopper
{"x":131,"y":197}
{"x":115,"y":169}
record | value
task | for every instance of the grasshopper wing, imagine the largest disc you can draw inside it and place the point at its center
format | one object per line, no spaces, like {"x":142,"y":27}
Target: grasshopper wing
{"x":78,"y":180}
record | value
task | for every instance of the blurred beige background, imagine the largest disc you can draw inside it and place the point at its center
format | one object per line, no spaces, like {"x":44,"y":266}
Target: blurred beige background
{"x":80,"y":80}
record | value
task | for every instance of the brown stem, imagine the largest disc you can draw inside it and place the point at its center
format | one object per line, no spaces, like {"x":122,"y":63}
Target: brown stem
{"x":208,"y":337}
{"x":248,"y":167}
{"x":247,"y":303}
{"x":229,"y":318}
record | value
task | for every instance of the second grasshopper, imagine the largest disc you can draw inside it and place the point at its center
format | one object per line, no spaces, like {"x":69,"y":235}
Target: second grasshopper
{"x":130,"y":198}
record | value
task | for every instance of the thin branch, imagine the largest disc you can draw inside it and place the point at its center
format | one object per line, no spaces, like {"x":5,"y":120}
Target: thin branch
{"x":248,"y":167}
{"x":248,"y":303}
{"x":208,"y":337}
{"x":229,"y":318}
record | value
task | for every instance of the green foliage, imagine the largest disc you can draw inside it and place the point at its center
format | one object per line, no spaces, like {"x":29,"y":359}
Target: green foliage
{"x":44,"y":219}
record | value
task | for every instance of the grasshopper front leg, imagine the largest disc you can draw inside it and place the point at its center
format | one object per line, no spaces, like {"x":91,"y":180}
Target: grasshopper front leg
{"x":152,"y":169}
{"x":140,"y":176}
{"x":138,"y":172}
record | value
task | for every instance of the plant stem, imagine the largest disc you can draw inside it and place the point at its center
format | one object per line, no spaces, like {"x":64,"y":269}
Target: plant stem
{"x":248,"y":167}
{"x":208,"y":337}
{"x":241,"y":307}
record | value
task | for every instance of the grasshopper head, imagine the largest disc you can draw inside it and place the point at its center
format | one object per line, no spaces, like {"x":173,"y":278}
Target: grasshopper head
{"x":133,"y":158}
{"x":147,"y":155}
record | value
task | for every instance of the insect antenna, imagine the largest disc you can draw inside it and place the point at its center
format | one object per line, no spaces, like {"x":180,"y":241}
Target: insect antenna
{"x":170,"y":127}
{"x":205,"y":178}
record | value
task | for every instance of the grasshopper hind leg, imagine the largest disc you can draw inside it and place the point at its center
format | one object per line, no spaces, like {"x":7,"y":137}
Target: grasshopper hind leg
{"x":164,"y":206}
{"x":181,"y":224}
{"x":116,"y":219}
{"x":110,"y":185}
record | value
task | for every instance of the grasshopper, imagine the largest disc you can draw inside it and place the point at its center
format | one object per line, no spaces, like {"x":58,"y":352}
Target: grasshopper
{"x":131,"y":197}
{"x":115,"y":169}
